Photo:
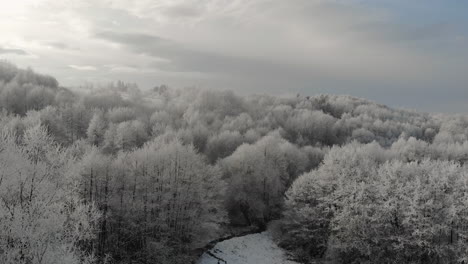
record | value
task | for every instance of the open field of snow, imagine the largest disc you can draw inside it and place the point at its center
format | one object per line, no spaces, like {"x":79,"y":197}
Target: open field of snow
{"x":251,"y":249}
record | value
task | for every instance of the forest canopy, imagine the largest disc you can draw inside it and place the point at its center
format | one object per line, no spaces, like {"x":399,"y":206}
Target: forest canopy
{"x":115,"y":173}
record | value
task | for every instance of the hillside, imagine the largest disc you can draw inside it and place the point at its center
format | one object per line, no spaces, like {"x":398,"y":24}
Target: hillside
{"x":118,"y":174}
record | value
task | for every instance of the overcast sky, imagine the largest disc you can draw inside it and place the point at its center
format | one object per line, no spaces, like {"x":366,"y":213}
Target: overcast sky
{"x":411,"y":54}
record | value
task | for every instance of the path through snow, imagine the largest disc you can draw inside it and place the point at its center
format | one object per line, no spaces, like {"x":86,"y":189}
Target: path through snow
{"x":250,"y":249}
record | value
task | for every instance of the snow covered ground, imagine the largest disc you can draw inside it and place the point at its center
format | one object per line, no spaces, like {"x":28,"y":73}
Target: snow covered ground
{"x":251,"y":249}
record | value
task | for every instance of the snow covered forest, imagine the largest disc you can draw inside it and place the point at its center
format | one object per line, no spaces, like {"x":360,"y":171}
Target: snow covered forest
{"x":115,"y":174}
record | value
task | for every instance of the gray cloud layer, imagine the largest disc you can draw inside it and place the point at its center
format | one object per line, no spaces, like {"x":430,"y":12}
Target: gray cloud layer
{"x":12,"y":51}
{"x":272,"y":46}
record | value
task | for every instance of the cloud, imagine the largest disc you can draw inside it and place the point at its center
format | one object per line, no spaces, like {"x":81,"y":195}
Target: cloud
{"x":379,"y":49}
{"x":170,"y":55}
{"x":133,"y":38}
{"x":123,"y":68}
{"x":12,"y":51}
{"x":181,"y":10}
{"x":173,"y":57}
{"x":83,"y":67}
{"x":60,"y":45}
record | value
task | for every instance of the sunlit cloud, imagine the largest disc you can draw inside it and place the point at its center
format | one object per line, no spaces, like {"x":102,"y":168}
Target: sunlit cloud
{"x":83,"y":67}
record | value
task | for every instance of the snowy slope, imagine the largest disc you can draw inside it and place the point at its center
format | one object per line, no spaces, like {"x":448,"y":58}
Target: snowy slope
{"x":251,"y":249}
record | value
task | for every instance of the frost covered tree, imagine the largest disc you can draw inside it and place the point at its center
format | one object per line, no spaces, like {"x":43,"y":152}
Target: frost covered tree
{"x":42,"y":218}
{"x":366,"y":204}
{"x":96,"y":128}
{"x":305,"y":226}
{"x":257,"y":176}
{"x":411,"y":213}
{"x":163,"y":199}
{"x":313,"y":198}
{"x":223,"y":145}
{"x":130,"y":134}
{"x":121,"y":114}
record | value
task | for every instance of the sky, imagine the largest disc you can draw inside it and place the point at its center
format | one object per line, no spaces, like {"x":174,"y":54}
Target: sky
{"x":410,"y":54}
